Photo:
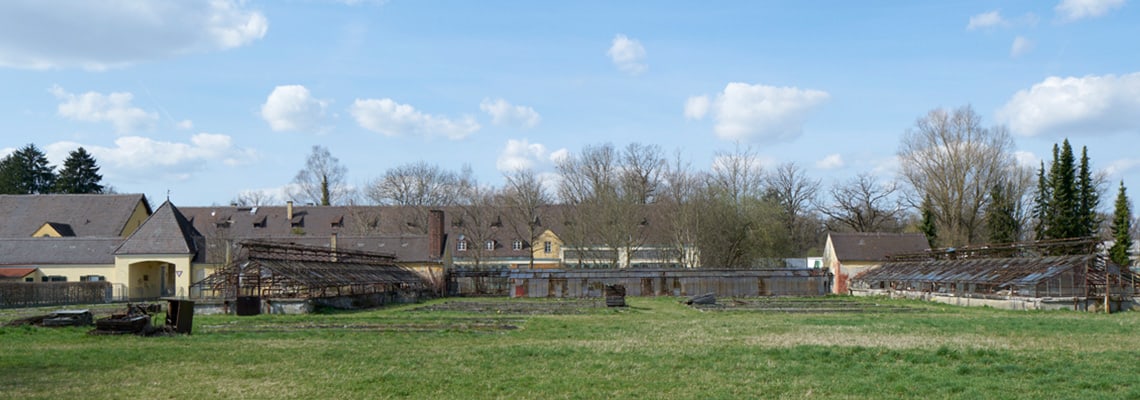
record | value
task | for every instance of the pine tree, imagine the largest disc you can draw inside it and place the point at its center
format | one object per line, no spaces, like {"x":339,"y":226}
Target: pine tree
{"x":1001,"y":223}
{"x":1041,"y":207}
{"x":1121,"y":229}
{"x":80,"y":174}
{"x":26,"y":171}
{"x":1088,"y":199}
{"x":1064,"y":221}
{"x":929,"y":227}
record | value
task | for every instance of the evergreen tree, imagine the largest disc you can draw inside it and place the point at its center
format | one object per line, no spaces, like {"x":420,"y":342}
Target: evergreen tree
{"x":929,"y":226}
{"x":26,"y":171}
{"x":1064,"y":221}
{"x":1121,"y":229}
{"x":79,"y":174}
{"x":1041,"y":207}
{"x":1001,"y":223}
{"x":1088,"y":199}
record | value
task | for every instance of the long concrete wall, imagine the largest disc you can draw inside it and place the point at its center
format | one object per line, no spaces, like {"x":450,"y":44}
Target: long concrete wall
{"x":565,"y":283}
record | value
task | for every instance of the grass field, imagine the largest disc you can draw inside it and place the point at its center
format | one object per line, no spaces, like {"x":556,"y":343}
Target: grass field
{"x":656,"y":348}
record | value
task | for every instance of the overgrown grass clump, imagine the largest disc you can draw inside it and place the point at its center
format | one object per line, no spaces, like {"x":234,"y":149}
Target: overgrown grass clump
{"x":657,"y":348}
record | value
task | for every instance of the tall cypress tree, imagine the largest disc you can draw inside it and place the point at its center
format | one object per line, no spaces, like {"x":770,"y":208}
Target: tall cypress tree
{"x":1088,"y":199}
{"x":1065,"y":220}
{"x":1041,"y":207}
{"x":1121,"y":229}
{"x":80,"y":174}
{"x":26,"y":171}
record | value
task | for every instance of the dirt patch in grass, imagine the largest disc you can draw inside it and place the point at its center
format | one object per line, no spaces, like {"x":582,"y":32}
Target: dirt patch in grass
{"x":562,"y":307}
{"x":778,"y":305}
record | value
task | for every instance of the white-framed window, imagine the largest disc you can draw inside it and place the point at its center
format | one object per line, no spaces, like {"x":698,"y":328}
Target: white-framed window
{"x":546,"y":247}
{"x":517,"y":245}
{"x":462,"y":245}
{"x":489,"y":245}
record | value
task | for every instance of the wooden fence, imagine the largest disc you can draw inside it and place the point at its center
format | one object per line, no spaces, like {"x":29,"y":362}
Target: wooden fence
{"x":21,"y":294}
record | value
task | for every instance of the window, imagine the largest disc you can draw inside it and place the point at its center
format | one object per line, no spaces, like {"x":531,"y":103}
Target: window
{"x":462,"y":245}
{"x":517,"y":245}
{"x":489,"y":245}
{"x":546,"y":247}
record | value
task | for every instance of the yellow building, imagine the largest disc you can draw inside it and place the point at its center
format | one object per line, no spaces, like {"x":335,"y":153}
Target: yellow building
{"x":846,"y":254}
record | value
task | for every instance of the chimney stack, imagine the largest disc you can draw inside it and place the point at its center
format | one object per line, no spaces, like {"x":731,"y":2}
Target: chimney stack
{"x":435,"y":234}
{"x":332,"y":246}
{"x":289,"y":210}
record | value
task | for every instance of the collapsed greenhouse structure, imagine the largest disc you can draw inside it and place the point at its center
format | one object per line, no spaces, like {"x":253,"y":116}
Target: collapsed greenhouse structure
{"x":290,"y":278}
{"x":1061,"y":274}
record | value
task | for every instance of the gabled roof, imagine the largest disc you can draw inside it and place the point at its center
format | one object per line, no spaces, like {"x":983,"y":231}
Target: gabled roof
{"x":11,"y":273}
{"x":64,"y":230}
{"x":58,"y":251}
{"x":166,"y":232}
{"x":101,"y":215}
{"x":875,"y":246}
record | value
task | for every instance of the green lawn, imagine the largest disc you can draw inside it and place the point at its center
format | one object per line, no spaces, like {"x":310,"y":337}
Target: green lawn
{"x":657,"y":348}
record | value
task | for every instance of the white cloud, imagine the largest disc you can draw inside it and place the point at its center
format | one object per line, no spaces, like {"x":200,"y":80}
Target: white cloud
{"x":136,"y":158}
{"x":986,"y":20}
{"x":503,"y":113}
{"x":1072,"y":10}
{"x":97,"y":35}
{"x":1027,"y":159}
{"x":696,"y":107}
{"x":832,"y":161}
{"x":293,"y":108}
{"x":115,"y":108}
{"x":521,"y":154}
{"x":5,"y":151}
{"x":1074,"y":106}
{"x":385,"y":116}
{"x":760,"y":113}
{"x":185,"y":125}
{"x":1122,"y":166}
{"x":1020,"y":46}
{"x":628,"y":55}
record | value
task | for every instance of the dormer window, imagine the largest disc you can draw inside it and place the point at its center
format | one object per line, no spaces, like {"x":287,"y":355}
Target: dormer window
{"x":517,"y":245}
{"x":461,"y":245}
{"x":489,"y":245}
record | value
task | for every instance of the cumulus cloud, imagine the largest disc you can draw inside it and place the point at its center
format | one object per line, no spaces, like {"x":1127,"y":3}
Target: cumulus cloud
{"x":136,"y":158}
{"x":1027,"y":159}
{"x":986,"y":20}
{"x":1072,"y":10}
{"x":1020,"y":47}
{"x":832,"y":161}
{"x":387,"y":117}
{"x":185,"y":125}
{"x":115,"y":108}
{"x":503,"y":113}
{"x":696,"y":107}
{"x":628,"y":55}
{"x":1122,"y":166}
{"x":521,"y":154}
{"x":1074,"y":106}
{"x":293,"y":108}
{"x":758,"y":112}
{"x":105,"y":34}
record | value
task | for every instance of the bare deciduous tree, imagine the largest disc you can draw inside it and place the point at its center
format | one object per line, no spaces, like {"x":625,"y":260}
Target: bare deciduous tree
{"x":321,"y":181}
{"x":795,"y":192}
{"x":949,"y":158}
{"x":419,"y":186}
{"x":525,"y":203}
{"x":862,"y":204}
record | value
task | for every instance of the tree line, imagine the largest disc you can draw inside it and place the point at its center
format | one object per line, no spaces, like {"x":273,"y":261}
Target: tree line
{"x":27,"y":171}
{"x":959,"y":183}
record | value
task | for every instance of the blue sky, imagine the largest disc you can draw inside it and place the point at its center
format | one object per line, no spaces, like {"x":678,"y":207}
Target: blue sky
{"x":207,"y":99}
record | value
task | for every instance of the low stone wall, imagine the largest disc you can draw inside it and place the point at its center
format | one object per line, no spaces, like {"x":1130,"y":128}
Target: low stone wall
{"x":1007,"y":302}
{"x":571,"y":283}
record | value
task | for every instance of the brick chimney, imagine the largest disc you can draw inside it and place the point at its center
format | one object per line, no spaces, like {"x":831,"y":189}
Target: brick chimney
{"x":435,"y":234}
{"x":289,"y":210}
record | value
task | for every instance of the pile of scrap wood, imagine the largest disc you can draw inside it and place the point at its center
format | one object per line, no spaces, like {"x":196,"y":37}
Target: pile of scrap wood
{"x":615,"y":295}
{"x":57,"y":318}
{"x":137,"y":320}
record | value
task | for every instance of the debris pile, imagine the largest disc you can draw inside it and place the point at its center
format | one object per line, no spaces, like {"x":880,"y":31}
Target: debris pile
{"x":615,"y":296}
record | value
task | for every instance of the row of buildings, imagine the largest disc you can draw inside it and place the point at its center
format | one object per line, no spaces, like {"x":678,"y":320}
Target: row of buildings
{"x":148,"y":252}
